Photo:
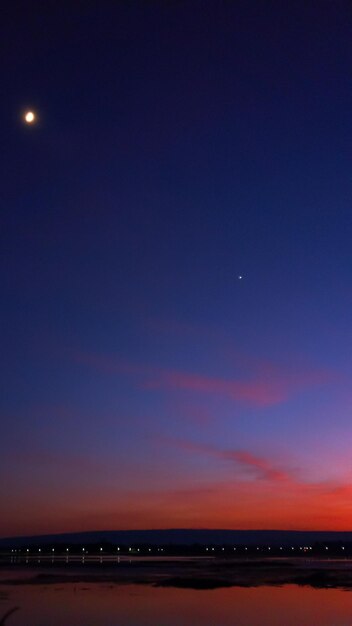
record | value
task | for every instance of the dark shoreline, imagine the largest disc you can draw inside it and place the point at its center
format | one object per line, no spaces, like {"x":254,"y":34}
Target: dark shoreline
{"x":190,"y":574}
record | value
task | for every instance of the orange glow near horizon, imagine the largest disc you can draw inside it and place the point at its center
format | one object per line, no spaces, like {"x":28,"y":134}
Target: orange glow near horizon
{"x":252,"y":505}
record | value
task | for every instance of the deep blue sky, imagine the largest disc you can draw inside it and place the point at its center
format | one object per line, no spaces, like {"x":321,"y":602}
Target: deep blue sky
{"x":177,"y":146}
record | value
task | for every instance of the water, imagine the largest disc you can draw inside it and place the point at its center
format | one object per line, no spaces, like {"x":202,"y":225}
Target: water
{"x":142,"y":605}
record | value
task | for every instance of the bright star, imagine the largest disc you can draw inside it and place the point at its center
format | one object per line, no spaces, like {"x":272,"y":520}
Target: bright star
{"x":29,"y":117}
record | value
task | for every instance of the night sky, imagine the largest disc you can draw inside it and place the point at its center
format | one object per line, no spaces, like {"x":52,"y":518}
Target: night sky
{"x":176,"y":265}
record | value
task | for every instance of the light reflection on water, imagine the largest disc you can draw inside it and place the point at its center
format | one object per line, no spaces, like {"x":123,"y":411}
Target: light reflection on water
{"x":141,"y":605}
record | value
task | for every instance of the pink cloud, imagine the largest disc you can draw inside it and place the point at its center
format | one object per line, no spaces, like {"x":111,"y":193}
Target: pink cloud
{"x":266,"y":388}
{"x":266,"y":384}
{"x":259,"y":467}
{"x":257,"y":392}
{"x":262,"y":467}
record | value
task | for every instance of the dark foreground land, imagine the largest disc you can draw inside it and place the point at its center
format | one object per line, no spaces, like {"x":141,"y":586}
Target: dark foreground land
{"x":192,"y":573}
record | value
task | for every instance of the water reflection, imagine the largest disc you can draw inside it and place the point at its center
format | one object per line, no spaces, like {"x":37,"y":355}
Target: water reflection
{"x":140,"y":605}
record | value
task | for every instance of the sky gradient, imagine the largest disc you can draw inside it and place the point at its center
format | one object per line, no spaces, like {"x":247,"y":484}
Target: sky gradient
{"x":177,"y":146}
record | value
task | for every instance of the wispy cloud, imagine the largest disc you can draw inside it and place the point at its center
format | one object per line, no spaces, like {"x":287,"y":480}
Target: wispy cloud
{"x":259,"y":467}
{"x":255,"y":392}
{"x":277,"y":483}
{"x":265,"y":385}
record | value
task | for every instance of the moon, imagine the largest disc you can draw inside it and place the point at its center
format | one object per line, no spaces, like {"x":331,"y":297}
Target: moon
{"x":29,"y":117}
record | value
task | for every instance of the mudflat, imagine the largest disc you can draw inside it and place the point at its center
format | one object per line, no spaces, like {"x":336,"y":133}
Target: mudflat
{"x":192,"y":573}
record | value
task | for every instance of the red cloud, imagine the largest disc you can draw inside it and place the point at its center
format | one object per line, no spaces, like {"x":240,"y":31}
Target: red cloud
{"x":263,"y":468}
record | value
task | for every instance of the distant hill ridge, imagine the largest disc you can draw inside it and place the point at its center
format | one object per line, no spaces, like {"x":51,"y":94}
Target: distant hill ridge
{"x":186,"y":537}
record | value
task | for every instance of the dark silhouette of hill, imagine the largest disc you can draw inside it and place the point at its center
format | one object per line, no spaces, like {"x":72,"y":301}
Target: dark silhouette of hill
{"x":185,"y":537}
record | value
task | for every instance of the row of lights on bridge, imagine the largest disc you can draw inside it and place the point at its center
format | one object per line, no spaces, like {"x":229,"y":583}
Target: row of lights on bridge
{"x":86,"y":551}
{"x":305,"y":549}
